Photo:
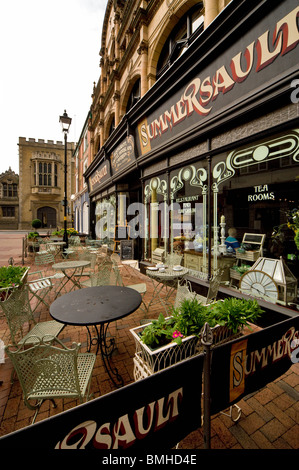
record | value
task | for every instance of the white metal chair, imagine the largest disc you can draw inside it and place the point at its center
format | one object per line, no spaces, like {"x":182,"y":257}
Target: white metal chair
{"x":184,"y":291}
{"x":20,"y":319}
{"x":49,"y":370}
{"x":39,"y":288}
{"x":173,"y":259}
{"x":212,"y":290}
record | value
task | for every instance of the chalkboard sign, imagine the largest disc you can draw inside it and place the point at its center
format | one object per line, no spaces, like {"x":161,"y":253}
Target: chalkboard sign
{"x":256,"y":238}
{"x":126,"y":249}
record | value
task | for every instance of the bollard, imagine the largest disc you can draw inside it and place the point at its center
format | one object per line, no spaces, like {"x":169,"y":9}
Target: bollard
{"x":207,"y":341}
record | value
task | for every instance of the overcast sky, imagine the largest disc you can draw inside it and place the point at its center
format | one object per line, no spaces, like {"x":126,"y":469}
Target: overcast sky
{"x":49,"y":55}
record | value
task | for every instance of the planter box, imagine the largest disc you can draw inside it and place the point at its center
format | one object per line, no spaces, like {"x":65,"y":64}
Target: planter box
{"x":248,"y":255}
{"x":234,"y":274}
{"x":147,"y":361}
{"x":6,"y":291}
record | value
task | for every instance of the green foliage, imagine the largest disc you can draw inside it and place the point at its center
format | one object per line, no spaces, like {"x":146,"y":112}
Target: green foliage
{"x":234,"y":313}
{"x":32,"y":235}
{"x":158,"y":333}
{"x":36,"y":223}
{"x":191,"y":316}
{"x":59,"y":233}
{"x":11,"y":276}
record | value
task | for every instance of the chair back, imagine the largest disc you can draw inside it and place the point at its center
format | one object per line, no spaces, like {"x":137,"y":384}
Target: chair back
{"x":44,"y":259}
{"x":214,"y":286}
{"x":173,"y":259}
{"x":87,"y":256}
{"x":18,"y":313}
{"x":46,"y":370}
{"x":184,"y":291}
{"x":107,"y":274}
{"x":74,"y":240}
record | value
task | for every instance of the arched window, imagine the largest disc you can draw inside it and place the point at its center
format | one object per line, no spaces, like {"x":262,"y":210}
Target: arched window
{"x":186,"y":30}
{"x":134,"y":95}
{"x":112,"y":127}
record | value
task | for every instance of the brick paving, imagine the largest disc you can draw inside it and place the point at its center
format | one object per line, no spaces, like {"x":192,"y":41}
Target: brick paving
{"x":270,"y":416}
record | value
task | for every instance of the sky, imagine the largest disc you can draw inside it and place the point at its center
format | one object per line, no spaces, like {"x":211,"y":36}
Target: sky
{"x":49,"y":55}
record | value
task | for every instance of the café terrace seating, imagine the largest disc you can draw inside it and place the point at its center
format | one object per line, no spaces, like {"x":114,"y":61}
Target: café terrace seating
{"x":48,"y":370}
{"x":21,"y":321}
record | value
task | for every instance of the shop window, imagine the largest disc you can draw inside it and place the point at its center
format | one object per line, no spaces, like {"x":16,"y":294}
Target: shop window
{"x":156,"y":217}
{"x":106,"y":219}
{"x":187,"y":29}
{"x":255,"y":189}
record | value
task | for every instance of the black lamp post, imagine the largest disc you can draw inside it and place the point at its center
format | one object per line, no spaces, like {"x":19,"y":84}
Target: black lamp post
{"x":65,"y":122}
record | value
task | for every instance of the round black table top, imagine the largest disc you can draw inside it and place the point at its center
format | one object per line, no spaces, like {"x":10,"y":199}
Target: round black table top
{"x":95,"y":305}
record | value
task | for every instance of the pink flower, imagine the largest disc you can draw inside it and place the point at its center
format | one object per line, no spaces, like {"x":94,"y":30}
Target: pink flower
{"x":177,"y":334}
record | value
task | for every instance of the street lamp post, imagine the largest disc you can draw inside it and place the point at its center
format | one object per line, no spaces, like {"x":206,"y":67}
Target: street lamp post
{"x":65,"y":122}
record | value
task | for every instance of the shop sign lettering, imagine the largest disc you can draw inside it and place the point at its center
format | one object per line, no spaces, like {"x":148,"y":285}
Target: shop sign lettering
{"x":200,"y":94}
{"x":261,"y":193}
{"x":99,"y":176}
{"x":122,"y":433}
{"x":295,"y":93}
{"x":123,"y":155}
{"x":243,"y":364}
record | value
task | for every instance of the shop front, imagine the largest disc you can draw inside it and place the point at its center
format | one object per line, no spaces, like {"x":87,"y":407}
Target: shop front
{"x":226,"y":141}
{"x":215,"y":146}
{"x":253,"y":189}
{"x":114,"y":188}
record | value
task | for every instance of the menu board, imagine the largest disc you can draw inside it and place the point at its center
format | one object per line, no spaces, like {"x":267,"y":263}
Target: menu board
{"x":127,"y":249}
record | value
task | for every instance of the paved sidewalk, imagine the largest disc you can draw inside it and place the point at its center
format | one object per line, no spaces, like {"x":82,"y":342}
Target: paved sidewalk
{"x":270,"y":416}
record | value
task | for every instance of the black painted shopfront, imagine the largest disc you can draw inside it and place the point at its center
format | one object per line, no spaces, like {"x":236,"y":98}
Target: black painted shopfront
{"x":214,"y":144}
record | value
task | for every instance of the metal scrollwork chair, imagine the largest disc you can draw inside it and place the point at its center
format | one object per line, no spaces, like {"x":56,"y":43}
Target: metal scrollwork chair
{"x":212,"y":290}
{"x":105,"y":275}
{"x":45,"y":261}
{"x":184,"y":291}
{"x":173,"y":259}
{"x":49,"y":370}
{"x":40,"y":286}
{"x":21,"y":322}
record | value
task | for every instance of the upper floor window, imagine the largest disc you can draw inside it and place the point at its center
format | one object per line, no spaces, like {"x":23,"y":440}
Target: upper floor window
{"x":186,"y":30}
{"x":85,"y":142}
{"x":112,"y":126}
{"x":45,"y":174}
{"x":10,"y":190}
{"x":134,"y":95}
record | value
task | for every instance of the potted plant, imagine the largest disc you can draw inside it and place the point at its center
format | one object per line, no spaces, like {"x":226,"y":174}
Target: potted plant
{"x":165,"y":341}
{"x":234,"y":313}
{"x":36,"y":223}
{"x":11,"y":277}
{"x":33,"y":245}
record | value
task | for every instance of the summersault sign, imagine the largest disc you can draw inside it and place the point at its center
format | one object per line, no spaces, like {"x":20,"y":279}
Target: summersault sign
{"x":199,"y":97}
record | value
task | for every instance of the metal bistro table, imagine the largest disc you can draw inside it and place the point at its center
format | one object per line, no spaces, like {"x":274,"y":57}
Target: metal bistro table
{"x":99,"y":305}
{"x":55,"y":246}
{"x":166,"y":277}
{"x":71,"y":270}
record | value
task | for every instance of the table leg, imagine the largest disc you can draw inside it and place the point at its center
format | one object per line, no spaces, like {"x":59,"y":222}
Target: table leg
{"x":158,"y":286}
{"x":69,"y":278}
{"x":107,"y":349}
